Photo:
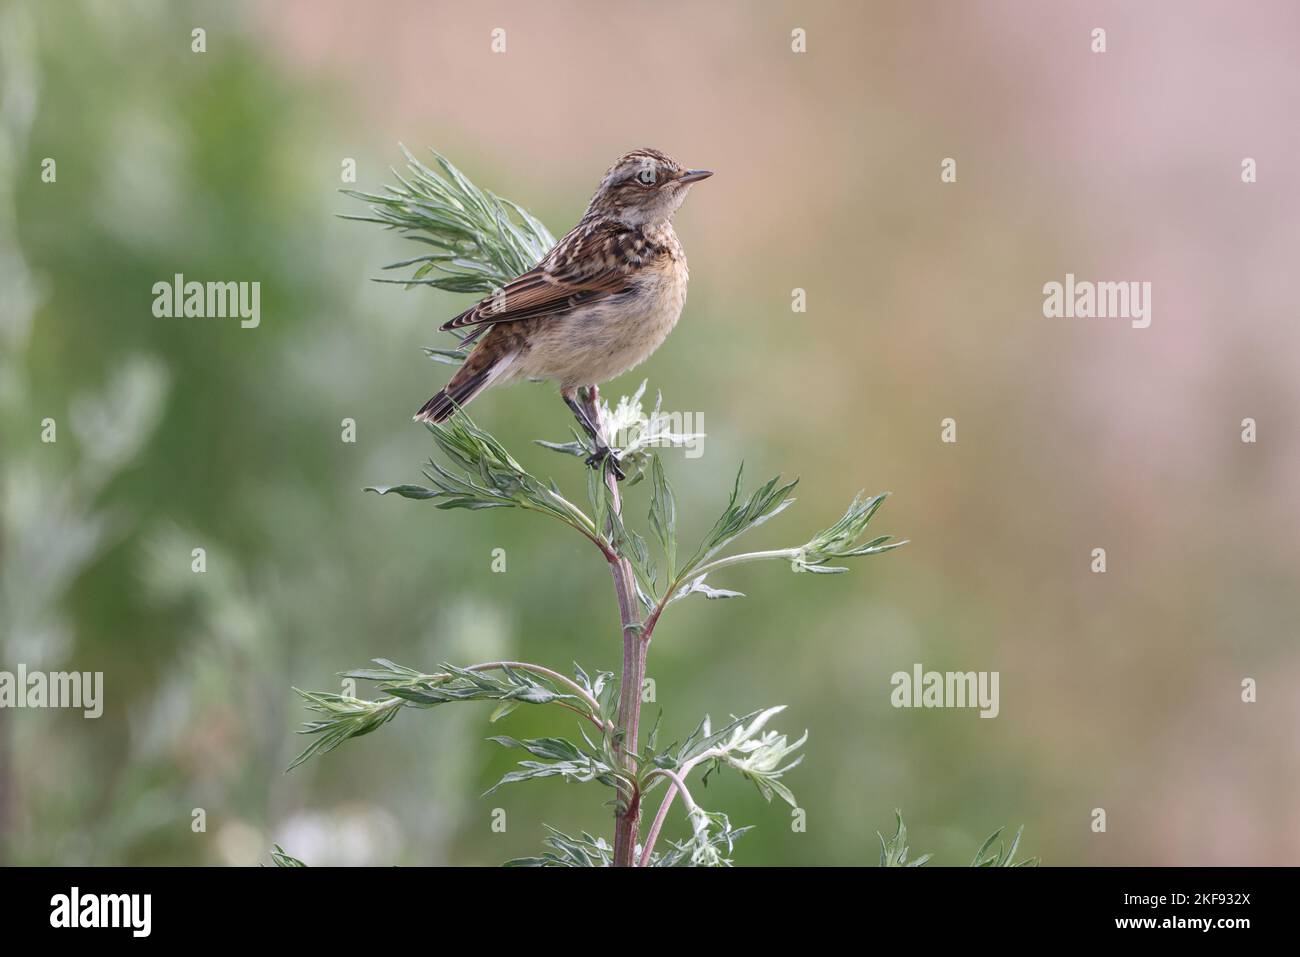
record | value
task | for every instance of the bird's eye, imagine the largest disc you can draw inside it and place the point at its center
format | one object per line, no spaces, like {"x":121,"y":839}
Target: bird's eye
{"x":646,"y":177}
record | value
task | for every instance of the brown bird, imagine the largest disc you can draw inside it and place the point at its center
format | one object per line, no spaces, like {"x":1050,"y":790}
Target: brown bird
{"x":599,"y":303}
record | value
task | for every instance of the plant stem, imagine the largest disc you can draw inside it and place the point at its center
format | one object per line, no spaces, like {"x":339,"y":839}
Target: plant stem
{"x":783,"y":554}
{"x":636,"y":642}
{"x":676,"y":782}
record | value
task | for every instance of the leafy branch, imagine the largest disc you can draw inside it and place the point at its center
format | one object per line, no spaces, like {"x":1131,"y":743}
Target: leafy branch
{"x":482,"y":474}
{"x":760,"y":757}
{"x":479,"y":240}
{"x":345,"y":717}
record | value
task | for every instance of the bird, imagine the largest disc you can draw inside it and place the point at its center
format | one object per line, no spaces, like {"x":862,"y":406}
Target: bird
{"x":598,"y":304}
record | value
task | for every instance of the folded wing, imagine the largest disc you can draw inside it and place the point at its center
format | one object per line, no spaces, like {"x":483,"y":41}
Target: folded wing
{"x":587,"y":265}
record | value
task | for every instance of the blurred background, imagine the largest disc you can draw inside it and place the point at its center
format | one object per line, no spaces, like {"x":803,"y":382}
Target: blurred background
{"x":924,"y":301}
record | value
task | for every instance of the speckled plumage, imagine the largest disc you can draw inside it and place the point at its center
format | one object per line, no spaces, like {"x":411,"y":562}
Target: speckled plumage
{"x":600,"y":302}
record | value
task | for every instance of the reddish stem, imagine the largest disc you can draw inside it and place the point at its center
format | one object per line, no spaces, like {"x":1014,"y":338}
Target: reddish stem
{"x":636,"y":642}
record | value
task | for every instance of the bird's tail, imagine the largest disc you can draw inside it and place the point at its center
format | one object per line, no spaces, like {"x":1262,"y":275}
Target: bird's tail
{"x":468,"y":382}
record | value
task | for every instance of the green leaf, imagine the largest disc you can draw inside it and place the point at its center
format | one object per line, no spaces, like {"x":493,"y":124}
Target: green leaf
{"x":697,"y":586}
{"x":712,"y":839}
{"x":566,"y":851}
{"x":663,"y":514}
{"x":344,"y":718}
{"x":282,"y":858}
{"x":893,"y":853}
{"x":503,"y":709}
{"x":406,"y":491}
{"x":557,"y":749}
{"x":703,"y":738}
{"x":739,"y":517}
{"x":582,"y":771}
{"x":1002,"y":857}
{"x":839,"y":541}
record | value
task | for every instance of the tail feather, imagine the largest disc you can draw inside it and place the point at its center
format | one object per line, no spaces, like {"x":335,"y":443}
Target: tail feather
{"x":463,"y":387}
{"x":442,"y":405}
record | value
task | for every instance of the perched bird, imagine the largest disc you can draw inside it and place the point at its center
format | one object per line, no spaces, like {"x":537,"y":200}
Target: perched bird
{"x":599,"y":303}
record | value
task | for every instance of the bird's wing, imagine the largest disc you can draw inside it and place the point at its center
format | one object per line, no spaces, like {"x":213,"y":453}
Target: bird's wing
{"x":589,"y":264}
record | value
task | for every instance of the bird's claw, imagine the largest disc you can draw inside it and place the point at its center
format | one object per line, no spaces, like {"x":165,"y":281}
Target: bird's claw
{"x":600,"y":456}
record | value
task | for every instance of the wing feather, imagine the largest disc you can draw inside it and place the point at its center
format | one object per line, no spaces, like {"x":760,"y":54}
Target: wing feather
{"x":591,"y":263}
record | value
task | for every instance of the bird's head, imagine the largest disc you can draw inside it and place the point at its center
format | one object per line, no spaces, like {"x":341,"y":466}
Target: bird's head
{"x":644,"y":187}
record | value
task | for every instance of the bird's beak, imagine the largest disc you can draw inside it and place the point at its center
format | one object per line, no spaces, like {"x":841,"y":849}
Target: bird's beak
{"x":694,"y":175}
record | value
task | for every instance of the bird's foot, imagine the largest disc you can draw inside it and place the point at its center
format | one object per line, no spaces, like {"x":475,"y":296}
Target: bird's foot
{"x":603,"y":454}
